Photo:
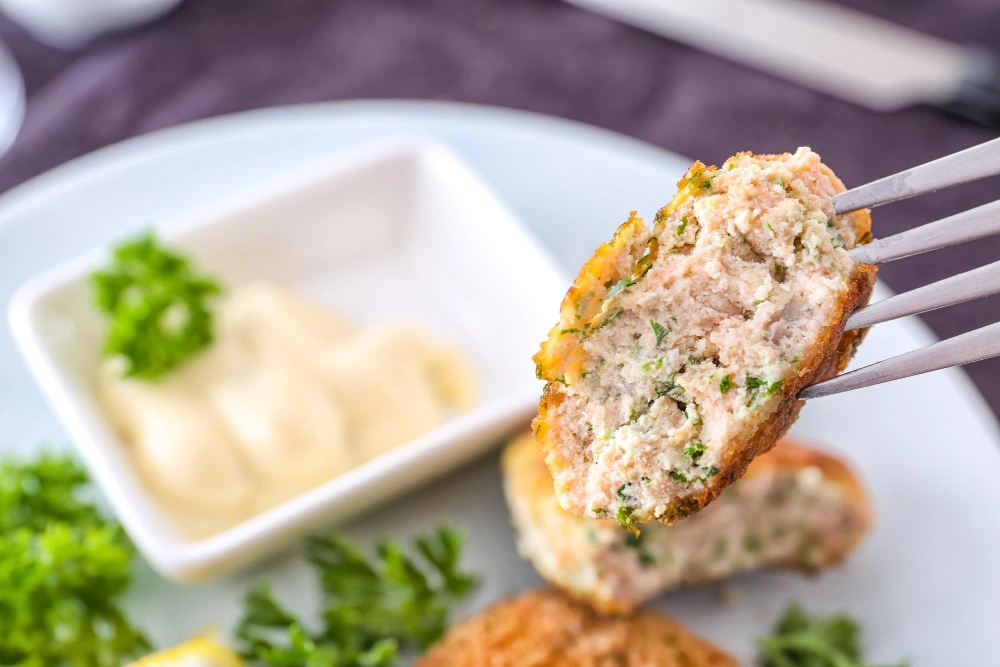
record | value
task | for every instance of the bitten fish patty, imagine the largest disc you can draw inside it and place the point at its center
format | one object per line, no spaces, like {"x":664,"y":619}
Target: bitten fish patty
{"x":795,"y":507}
{"x":680,"y":348}
{"x":547,"y":629}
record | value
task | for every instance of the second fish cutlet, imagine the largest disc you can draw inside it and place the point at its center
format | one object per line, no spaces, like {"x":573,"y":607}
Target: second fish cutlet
{"x":795,"y":507}
{"x":681,"y":347}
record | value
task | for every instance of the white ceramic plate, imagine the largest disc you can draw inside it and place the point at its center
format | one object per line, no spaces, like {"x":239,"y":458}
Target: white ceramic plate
{"x":381,"y":234}
{"x":924,"y":583}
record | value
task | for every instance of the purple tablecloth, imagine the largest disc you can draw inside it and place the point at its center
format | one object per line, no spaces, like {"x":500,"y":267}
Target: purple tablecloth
{"x":217,"y":56}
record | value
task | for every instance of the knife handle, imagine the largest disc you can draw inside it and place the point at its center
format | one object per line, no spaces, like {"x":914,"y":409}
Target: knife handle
{"x":978,"y":96}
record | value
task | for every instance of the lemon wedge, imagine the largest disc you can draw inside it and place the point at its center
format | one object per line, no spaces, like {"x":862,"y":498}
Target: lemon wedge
{"x":199,"y":652}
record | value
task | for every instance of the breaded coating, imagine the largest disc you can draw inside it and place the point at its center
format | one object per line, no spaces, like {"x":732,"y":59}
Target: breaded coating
{"x":547,"y":629}
{"x":680,"y":349}
{"x":794,"y":507}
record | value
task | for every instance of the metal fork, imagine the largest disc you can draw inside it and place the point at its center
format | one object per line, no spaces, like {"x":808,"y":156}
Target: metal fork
{"x":968,"y":165}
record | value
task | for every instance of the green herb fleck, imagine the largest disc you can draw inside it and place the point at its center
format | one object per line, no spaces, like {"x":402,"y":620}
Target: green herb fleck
{"x":618,"y":287}
{"x":700,"y":181}
{"x":598,"y":510}
{"x":711,"y":471}
{"x":795,"y":359}
{"x":760,"y":301}
{"x":562,"y":380}
{"x":678,"y":476}
{"x":659,"y":331}
{"x":753,"y":543}
{"x":625,"y":519}
{"x":682,"y":226}
{"x":644,"y":478}
{"x":563,"y":332}
{"x":694,"y":449}
{"x":726,"y":384}
{"x":757,"y":388}
{"x":611,"y":316}
{"x":770,"y":227}
{"x":157,"y":306}
{"x":655,"y":364}
{"x":621,"y":490}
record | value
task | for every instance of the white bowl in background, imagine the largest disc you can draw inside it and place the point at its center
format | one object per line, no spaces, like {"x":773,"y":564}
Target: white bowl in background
{"x":401,"y":232}
{"x":69,"y":24}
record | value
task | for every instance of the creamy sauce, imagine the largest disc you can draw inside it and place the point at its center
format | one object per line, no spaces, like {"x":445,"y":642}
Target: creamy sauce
{"x":288,"y":396}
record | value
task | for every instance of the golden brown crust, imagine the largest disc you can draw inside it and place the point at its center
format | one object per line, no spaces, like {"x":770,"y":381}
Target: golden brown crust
{"x":547,"y":629}
{"x":627,"y":254}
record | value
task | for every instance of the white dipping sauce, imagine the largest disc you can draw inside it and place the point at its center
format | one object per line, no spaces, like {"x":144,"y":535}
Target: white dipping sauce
{"x":288,"y":396}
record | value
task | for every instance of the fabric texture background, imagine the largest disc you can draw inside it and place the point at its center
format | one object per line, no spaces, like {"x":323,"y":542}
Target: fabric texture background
{"x":212,"y":57}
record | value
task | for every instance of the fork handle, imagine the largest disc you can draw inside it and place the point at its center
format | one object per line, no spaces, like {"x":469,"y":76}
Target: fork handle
{"x":968,"y":165}
{"x":973,"y":346}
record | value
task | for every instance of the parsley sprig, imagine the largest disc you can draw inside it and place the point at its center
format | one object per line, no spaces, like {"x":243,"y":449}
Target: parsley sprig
{"x":803,"y":640}
{"x":63,"y":567}
{"x":157,"y":305}
{"x":372,"y":611}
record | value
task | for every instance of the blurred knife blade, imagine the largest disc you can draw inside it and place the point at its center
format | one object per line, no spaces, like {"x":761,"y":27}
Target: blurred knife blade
{"x":845,"y":53}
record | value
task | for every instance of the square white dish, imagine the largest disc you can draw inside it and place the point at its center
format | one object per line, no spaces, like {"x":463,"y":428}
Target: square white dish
{"x":400,"y":232}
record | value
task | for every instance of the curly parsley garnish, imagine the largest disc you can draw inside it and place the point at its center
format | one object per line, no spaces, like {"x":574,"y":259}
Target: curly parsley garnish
{"x":371,"y":611}
{"x":64,"y":568}
{"x":800,"y":639}
{"x":157,"y":306}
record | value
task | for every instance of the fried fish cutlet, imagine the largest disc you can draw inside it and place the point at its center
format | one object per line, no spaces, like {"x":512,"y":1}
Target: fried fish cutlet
{"x":681,"y":348}
{"x":547,"y":629}
{"x":795,"y":507}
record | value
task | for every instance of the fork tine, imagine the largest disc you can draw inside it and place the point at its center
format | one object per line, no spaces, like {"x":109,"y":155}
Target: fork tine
{"x":973,"y":224}
{"x":968,"y":165}
{"x":973,"y":346}
{"x":967,"y":286}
